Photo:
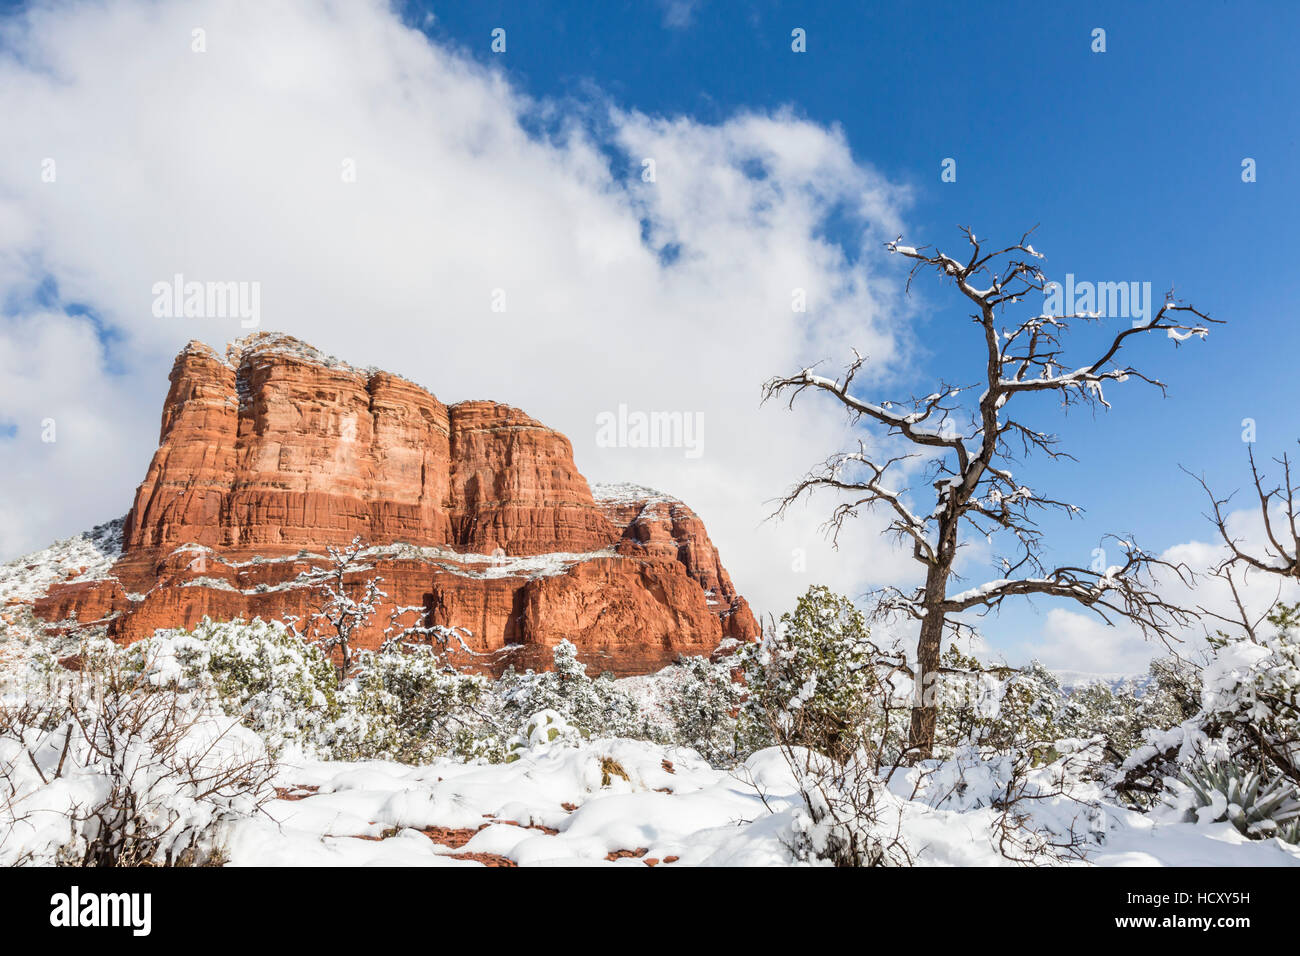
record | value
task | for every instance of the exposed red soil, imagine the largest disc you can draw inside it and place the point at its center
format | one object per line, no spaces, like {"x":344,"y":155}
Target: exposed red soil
{"x":627,"y":854}
{"x":294,"y":793}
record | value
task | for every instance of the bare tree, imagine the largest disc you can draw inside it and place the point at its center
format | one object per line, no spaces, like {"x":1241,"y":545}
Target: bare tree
{"x":969,"y":463}
{"x":336,"y":615}
{"x":1281,"y":554}
{"x":1276,"y":740}
{"x":399,"y":636}
{"x":1277,"y":508}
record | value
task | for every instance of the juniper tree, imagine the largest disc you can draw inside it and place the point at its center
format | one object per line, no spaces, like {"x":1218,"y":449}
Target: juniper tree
{"x":969,"y":463}
{"x":816,"y":680}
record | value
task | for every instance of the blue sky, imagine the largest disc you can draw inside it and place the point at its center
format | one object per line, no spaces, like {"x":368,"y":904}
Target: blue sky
{"x":1129,"y":161}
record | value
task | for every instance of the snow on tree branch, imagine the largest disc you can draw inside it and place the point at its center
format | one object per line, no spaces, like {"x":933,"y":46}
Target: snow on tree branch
{"x":970,"y":468}
{"x":336,"y":615}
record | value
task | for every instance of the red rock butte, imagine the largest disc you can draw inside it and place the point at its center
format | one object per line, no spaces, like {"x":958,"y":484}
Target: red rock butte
{"x":474,"y":514}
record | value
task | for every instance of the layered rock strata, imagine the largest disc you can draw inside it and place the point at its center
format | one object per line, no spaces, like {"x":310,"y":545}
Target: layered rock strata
{"x":473,"y":513}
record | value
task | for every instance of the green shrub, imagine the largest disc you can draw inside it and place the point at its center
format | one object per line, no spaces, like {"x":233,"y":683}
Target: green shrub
{"x":813,"y":680}
{"x":410,"y":705}
{"x":703,"y":708}
{"x":258,"y":670}
{"x":597,"y":707}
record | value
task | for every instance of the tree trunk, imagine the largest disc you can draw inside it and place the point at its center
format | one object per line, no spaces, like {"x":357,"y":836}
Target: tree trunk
{"x":924,"y":710}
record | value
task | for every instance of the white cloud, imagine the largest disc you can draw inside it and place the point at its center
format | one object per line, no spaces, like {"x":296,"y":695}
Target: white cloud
{"x":227,"y":165}
{"x":65,"y":407}
{"x":1079,"y":641}
{"x":1082,"y":643}
{"x":678,"y":14}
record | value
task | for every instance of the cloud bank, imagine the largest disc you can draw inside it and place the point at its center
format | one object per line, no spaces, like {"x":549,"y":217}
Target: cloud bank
{"x":1078,"y":641}
{"x":386,"y":193}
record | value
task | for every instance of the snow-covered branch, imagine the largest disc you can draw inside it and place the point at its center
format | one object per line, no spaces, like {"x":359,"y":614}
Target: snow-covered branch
{"x":972,"y":477}
{"x":872,"y":492}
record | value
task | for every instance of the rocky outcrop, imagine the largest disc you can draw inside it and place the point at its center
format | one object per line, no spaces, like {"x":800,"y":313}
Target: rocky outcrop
{"x":475,"y":513}
{"x":514,"y":486}
{"x":660,"y":528}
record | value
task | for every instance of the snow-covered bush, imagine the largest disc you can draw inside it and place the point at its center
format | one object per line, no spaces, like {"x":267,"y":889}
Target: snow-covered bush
{"x":19,"y":622}
{"x":257,"y":670}
{"x":1251,"y":693}
{"x":704,"y":706}
{"x":1038,"y":811}
{"x":1115,"y":714}
{"x":597,"y":707}
{"x":546,"y":728}
{"x":1249,"y":712}
{"x":108,"y":768}
{"x":408,"y":704}
{"x":849,"y":817}
{"x":1172,"y":693}
{"x":1122,"y":715}
{"x":822,"y":693}
{"x":815,"y":680}
{"x":1000,"y":709}
{"x":849,"y":821}
{"x":1026,"y":710}
{"x":1215,"y":791}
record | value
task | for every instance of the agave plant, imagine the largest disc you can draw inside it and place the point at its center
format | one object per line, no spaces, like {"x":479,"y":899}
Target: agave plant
{"x":1258,"y":808}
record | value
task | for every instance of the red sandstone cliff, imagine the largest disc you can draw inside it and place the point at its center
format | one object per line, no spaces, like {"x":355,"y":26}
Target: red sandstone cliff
{"x":475,"y":513}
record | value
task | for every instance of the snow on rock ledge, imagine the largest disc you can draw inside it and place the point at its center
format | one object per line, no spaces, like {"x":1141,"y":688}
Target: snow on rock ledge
{"x":274,"y":451}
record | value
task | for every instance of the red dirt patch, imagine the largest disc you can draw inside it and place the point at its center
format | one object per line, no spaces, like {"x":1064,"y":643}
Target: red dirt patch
{"x":527,"y":826}
{"x":627,"y":854}
{"x":294,"y":793}
{"x":487,"y":859}
{"x":449,"y":837}
{"x":455,"y":839}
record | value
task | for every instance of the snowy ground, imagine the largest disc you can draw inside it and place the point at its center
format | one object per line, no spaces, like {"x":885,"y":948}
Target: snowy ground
{"x":558,"y":807}
{"x":604,"y":802}
{"x":83,"y":557}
